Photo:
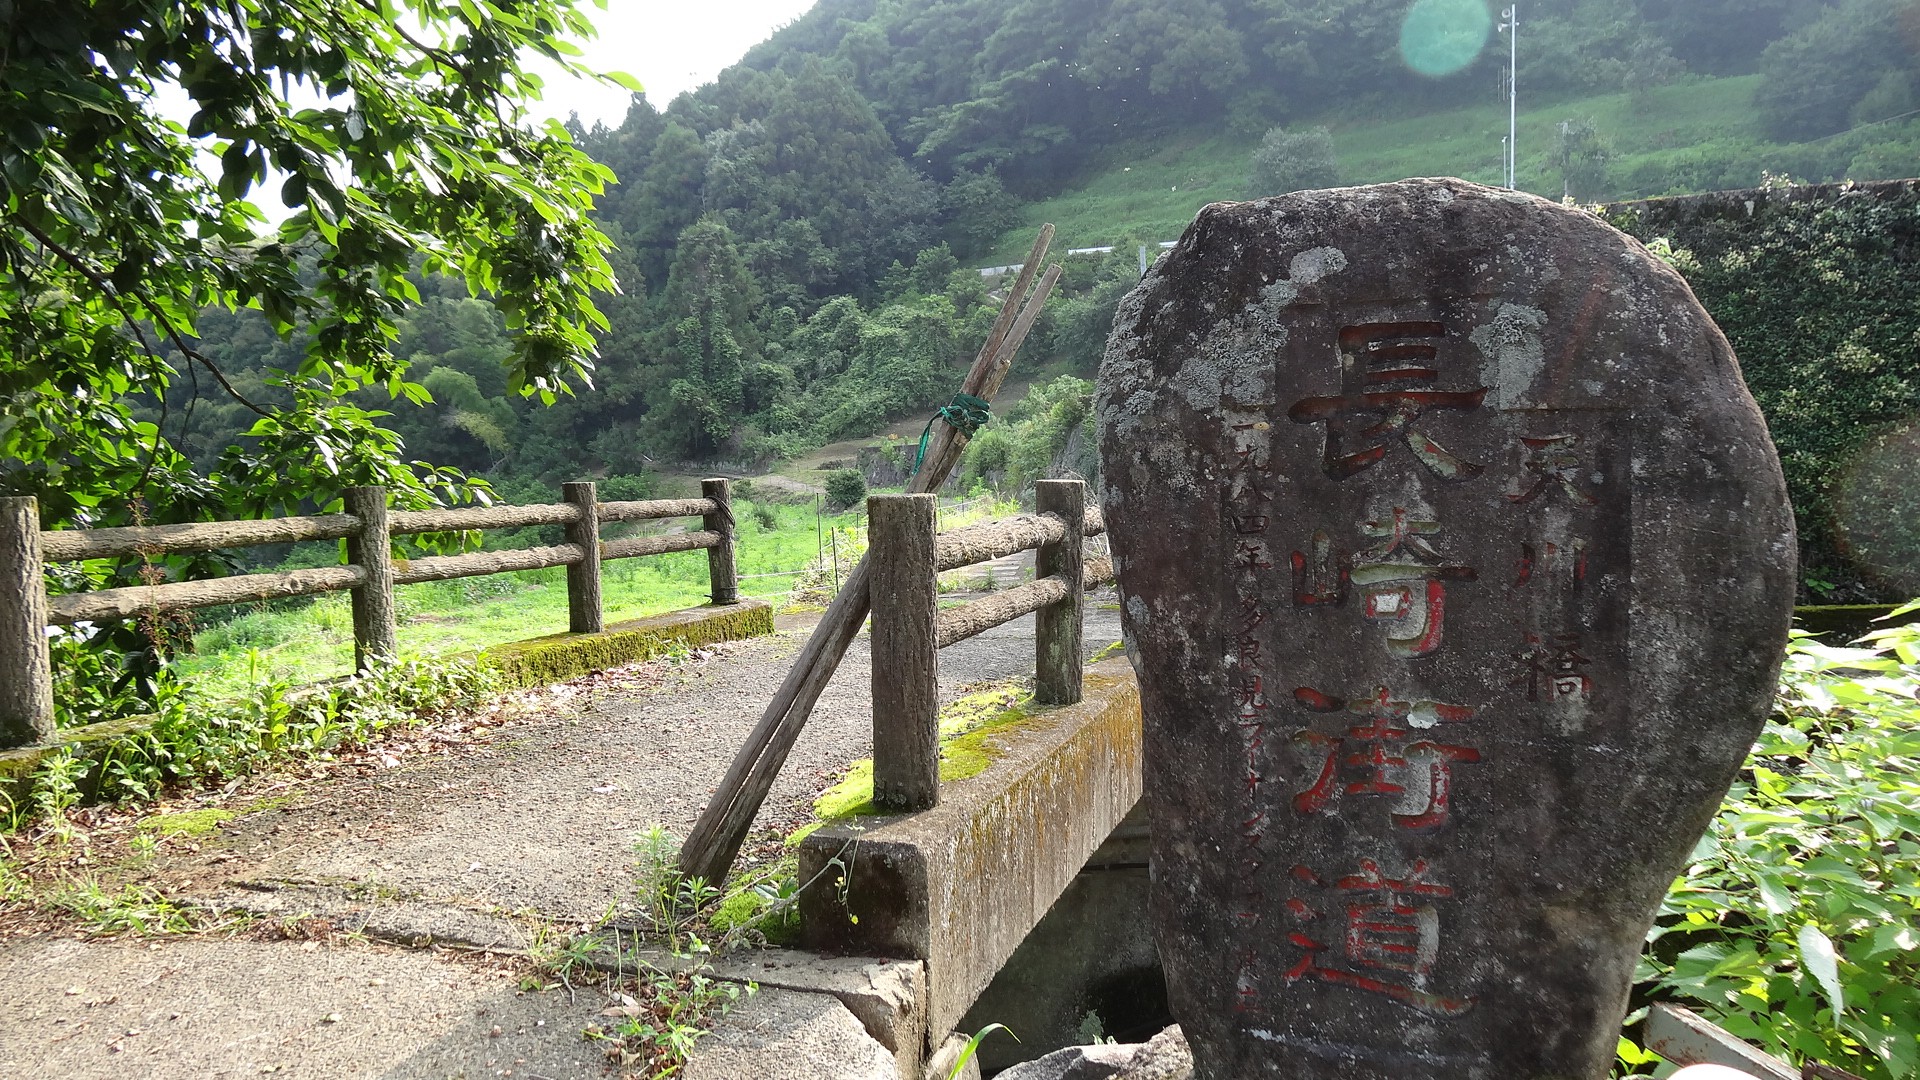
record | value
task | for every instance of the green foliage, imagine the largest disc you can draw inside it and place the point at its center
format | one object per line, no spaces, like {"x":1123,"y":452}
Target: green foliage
{"x":846,"y":488}
{"x":707,"y":336}
{"x":1292,"y":161}
{"x":1798,"y":925}
{"x":1822,"y":305}
{"x":974,"y":210}
{"x":1816,"y":75}
{"x":113,"y":241}
{"x":1695,"y":134}
{"x":1033,"y":439}
{"x":1596,"y":46}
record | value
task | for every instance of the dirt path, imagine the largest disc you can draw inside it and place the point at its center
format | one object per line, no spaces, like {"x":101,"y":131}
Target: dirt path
{"x":454,"y":847}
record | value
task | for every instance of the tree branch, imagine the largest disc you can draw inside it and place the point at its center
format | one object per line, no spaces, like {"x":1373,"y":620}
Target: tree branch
{"x":438,"y":55}
{"x":107,"y":288}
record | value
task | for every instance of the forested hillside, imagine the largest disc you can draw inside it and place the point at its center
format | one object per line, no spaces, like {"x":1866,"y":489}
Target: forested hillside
{"x":793,"y":240}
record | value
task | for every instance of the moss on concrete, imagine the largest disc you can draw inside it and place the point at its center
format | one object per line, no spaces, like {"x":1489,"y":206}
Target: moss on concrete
{"x":559,"y":657}
{"x":966,"y":756}
{"x":851,"y":797}
{"x":967,"y":725}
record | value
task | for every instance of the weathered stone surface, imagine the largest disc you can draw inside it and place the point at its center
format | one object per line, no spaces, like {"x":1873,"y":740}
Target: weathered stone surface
{"x":1075,"y":1063}
{"x":947,"y":1056}
{"x":1163,"y":1057}
{"x":888,"y":997}
{"x":1093,"y":952}
{"x":1457,"y":566}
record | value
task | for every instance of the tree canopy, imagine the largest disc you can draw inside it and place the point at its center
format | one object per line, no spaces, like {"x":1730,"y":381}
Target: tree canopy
{"x":144,"y":139}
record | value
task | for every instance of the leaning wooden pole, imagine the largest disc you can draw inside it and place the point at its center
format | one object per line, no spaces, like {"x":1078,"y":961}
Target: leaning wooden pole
{"x":716,"y":838}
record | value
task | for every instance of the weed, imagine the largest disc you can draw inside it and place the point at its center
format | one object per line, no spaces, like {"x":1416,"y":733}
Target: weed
{"x":193,"y":741}
{"x":655,"y":1027}
{"x":973,"y":1046}
{"x":557,"y":956}
{"x":135,"y":909}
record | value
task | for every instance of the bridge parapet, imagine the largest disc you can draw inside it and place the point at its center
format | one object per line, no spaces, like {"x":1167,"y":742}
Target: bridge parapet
{"x":960,"y":886}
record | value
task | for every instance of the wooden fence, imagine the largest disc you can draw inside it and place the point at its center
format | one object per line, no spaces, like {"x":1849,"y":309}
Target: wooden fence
{"x":371,"y":572}
{"x":907,"y":556}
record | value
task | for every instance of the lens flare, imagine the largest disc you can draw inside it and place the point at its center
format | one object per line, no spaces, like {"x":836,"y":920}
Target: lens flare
{"x":1441,"y":37}
{"x":1877,"y":511}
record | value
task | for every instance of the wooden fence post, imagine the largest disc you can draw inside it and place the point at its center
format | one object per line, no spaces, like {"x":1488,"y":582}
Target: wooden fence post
{"x":374,"y":632}
{"x":26,"y":671}
{"x":1057,"y":655}
{"x":904,"y":591}
{"x":720,"y":563}
{"x":584,"y":615}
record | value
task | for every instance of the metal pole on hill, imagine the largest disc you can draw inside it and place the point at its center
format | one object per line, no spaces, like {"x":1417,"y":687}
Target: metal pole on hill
{"x":1512,"y":27}
{"x":716,"y":838}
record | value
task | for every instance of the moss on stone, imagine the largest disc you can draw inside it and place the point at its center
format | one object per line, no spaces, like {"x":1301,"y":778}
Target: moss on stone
{"x":559,"y":657}
{"x":1840,"y":623}
{"x":187,"y":822}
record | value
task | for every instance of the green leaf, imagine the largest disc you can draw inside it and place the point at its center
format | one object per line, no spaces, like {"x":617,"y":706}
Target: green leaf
{"x":1893,"y":937}
{"x":973,"y":1045}
{"x":624,"y":81}
{"x":1817,"y":956}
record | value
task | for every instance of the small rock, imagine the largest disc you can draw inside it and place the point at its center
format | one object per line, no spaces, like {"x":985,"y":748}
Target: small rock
{"x":1096,"y":1062}
{"x":1163,"y":1057}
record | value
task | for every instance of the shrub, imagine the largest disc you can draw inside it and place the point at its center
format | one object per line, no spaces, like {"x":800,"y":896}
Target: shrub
{"x":1815,"y":76}
{"x":1293,"y":161}
{"x":1798,"y":925}
{"x":845,"y":489}
{"x":1821,"y":302}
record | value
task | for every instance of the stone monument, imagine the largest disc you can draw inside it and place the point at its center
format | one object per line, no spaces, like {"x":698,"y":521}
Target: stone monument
{"x":1457,"y":567}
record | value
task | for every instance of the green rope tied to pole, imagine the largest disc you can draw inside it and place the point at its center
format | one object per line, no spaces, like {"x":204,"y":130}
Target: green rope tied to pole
{"x":965,"y":414}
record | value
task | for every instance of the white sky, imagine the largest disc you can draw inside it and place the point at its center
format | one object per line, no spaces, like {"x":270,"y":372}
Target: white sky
{"x":669,"y":45}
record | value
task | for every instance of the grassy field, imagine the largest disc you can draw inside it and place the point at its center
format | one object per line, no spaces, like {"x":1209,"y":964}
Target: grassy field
{"x":1702,"y":130}
{"x":309,"y":641}
{"x":303,"y":641}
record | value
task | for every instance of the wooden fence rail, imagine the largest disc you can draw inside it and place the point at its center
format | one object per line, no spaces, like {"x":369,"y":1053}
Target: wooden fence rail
{"x":26,"y":611}
{"x":906,"y":557}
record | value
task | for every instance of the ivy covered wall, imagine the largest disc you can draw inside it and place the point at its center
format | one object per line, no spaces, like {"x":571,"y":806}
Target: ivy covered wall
{"x":1818,"y":289}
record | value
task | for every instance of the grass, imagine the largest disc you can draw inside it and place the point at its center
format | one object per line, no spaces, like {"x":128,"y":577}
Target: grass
{"x":309,"y":641}
{"x":1156,"y":190}
{"x":304,"y":641}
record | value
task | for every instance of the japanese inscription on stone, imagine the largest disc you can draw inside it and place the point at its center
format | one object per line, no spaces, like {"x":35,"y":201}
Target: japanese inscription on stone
{"x":1456,"y":565}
